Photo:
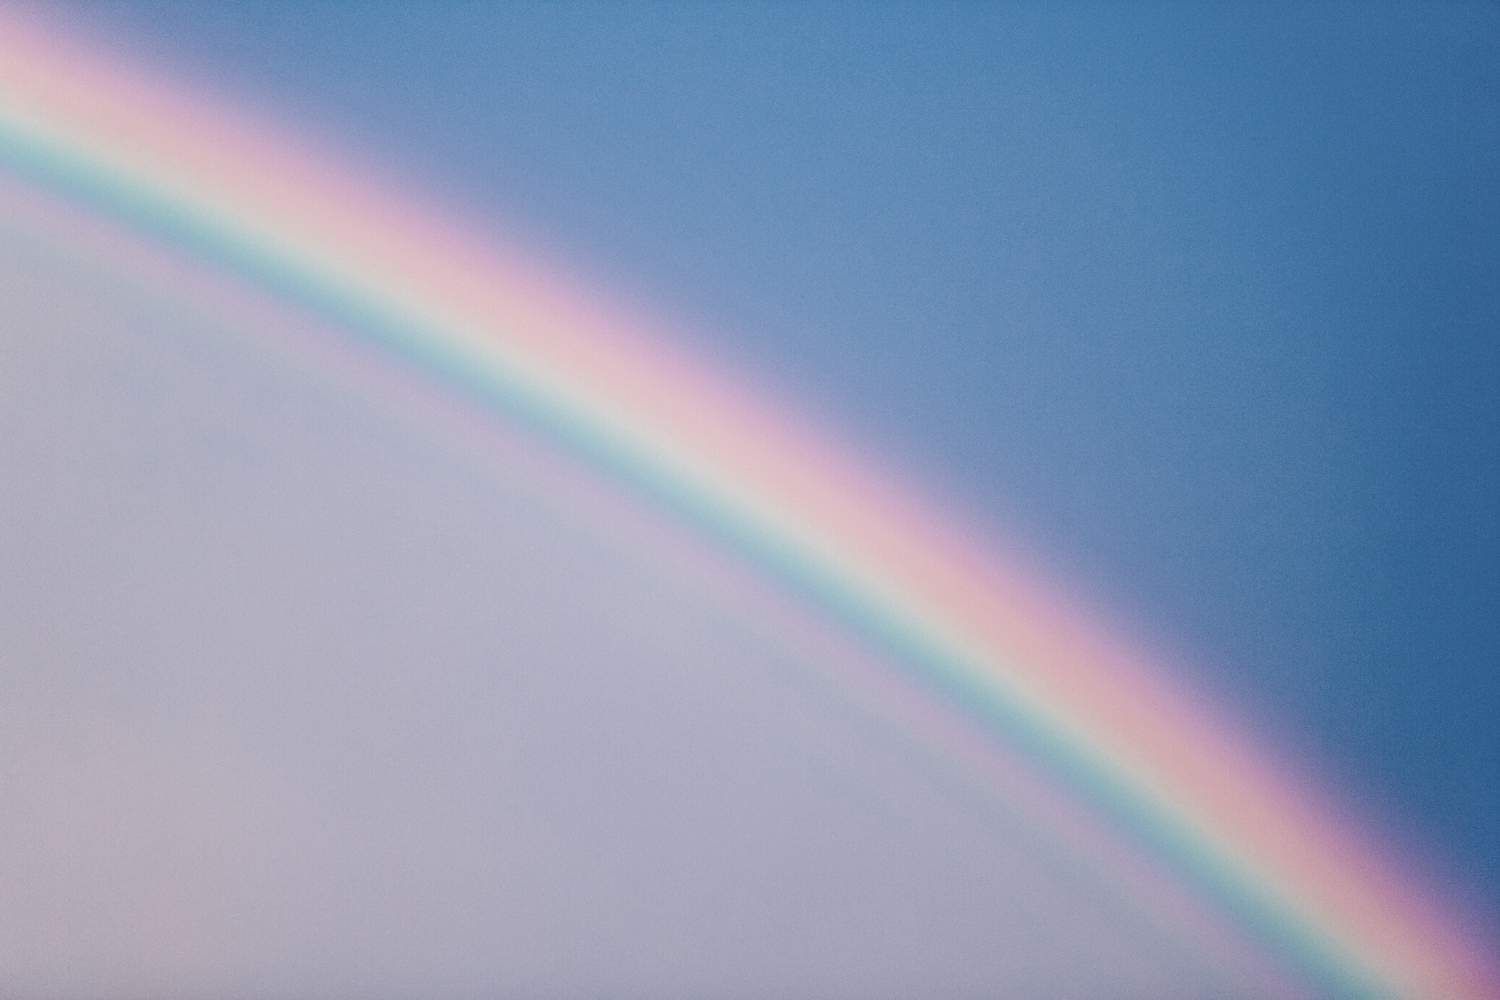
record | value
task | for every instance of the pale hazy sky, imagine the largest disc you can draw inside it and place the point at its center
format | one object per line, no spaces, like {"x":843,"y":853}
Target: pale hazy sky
{"x":297,"y":702}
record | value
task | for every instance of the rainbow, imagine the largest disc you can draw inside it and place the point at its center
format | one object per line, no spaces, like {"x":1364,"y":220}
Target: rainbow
{"x":1156,"y":768}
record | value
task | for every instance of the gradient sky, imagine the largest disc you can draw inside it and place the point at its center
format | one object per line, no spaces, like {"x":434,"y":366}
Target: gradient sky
{"x":1198,"y":305}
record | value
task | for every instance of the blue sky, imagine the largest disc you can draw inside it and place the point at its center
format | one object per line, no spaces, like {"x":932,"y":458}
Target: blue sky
{"x":1197,"y":303}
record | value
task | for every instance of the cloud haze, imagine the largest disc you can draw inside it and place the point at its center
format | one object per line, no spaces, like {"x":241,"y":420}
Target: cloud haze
{"x":297,"y":703}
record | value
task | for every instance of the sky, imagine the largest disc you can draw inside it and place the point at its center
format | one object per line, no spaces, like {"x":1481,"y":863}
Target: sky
{"x":1195,"y":305}
{"x":299,"y":703}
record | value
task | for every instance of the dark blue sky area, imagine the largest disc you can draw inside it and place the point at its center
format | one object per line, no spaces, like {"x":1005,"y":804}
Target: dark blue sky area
{"x":1200,"y":303}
